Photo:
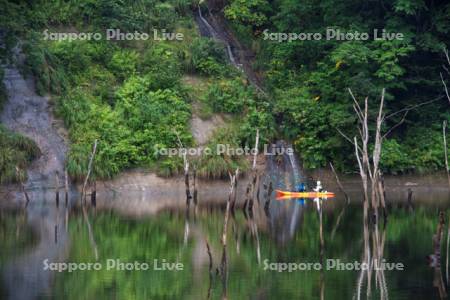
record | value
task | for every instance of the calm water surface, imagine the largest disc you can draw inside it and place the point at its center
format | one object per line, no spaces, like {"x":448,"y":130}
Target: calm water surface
{"x":287,"y":232}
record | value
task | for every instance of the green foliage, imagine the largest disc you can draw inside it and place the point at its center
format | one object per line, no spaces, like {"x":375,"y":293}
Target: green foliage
{"x":162,"y":67}
{"x":257,"y":117}
{"x":129,"y":98}
{"x":123,"y":63}
{"x":141,"y":120}
{"x":394,"y":157}
{"x":425,"y":148}
{"x":16,"y":151}
{"x":208,"y":57}
{"x":409,"y":7}
{"x":217,"y":165}
{"x":309,"y":80}
{"x":45,"y":66}
{"x":229,"y":96}
{"x":248,"y":11}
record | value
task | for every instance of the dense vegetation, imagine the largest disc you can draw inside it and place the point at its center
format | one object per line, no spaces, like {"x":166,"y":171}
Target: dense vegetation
{"x":16,"y":151}
{"x":135,"y":97}
{"x":131,"y":95}
{"x":309,"y":78}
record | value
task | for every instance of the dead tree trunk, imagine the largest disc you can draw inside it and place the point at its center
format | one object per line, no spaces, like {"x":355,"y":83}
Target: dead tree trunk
{"x":252,"y":184}
{"x":339,"y":183}
{"x":186,"y":171}
{"x":225,"y":223}
{"x":321,"y":239}
{"x":186,"y":182}
{"x":258,"y":188}
{"x":247,"y":201}
{"x":94,"y":195}
{"x":369,"y":169}
{"x":255,"y":153}
{"x":66,"y":187}
{"x":91,"y":160}
{"x":444,"y":127}
{"x":57,"y":188}
{"x":194,"y":178}
{"x":208,"y":249}
{"x":233,"y":202}
{"x":435,"y":258}
{"x":227,"y":210}
{"x":90,"y":232}
{"x":376,"y":160}
{"x":382,"y":195}
{"x":410,"y":200}
{"x":442,"y":78}
{"x":362,"y":171}
{"x":267,"y":204}
{"x":22,"y":186}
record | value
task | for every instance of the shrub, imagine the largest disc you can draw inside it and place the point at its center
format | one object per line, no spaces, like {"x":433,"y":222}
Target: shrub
{"x":128,"y":131}
{"x":161,"y":67}
{"x":207,"y":56}
{"x":219,"y":165}
{"x":229,"y":96}
{"x":123,"y":63}
{"x":45,"y":66}
{"x":394,"y":157}
{"x":15,"y":151}
{"x":257,"y":118}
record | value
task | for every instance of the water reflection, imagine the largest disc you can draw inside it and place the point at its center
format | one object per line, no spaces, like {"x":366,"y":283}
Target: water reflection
{"x":373,"y":257}
{"x":270,"y":232}
{"x":435,"y":258}
{"x":283,"y":217}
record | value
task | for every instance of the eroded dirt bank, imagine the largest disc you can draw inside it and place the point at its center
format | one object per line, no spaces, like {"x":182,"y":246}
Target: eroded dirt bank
{"x":29,"y":114}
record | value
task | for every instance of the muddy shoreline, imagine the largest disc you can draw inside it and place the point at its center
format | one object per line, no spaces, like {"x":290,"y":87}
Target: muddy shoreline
{"x":140,"y":192}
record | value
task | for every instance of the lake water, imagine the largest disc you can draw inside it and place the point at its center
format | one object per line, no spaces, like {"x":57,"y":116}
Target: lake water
{"x":288,"y":232}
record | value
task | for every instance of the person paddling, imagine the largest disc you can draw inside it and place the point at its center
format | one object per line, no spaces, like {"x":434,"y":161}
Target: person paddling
{"x":318,"y":189}
{"x":300,"y":187}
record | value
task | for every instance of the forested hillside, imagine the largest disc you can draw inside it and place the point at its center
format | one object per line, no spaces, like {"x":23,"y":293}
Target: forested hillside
{"x":134,"y":96}
{"x":309,"y":78}
{"x":138,"y":96}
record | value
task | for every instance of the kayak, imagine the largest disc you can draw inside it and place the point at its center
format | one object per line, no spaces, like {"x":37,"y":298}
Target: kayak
{"x":284,"y":194}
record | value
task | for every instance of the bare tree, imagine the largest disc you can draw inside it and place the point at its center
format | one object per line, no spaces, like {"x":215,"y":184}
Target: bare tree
{"x":233,"y":179}
{"x":369,"y":166}
{"x":20,"y":176}
{"x":252,"y":184}
{"x":442,"y":77}
{"x":91,"y":160}
{"x":186,"y":170}
{"x":444,"y":126}
{"x":339,"y":183}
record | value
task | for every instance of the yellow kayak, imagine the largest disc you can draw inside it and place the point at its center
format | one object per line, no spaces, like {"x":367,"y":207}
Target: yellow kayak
{"x":284,"y":194}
